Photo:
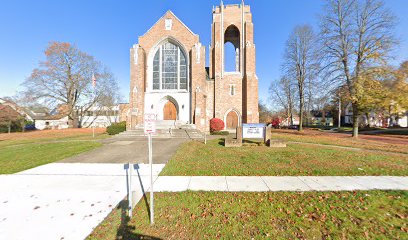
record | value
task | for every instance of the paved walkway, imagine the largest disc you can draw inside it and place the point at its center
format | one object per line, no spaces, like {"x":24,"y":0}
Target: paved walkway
{"x":266,"y":183}
{"x":65,"y":201}
{"x":124,"y":150}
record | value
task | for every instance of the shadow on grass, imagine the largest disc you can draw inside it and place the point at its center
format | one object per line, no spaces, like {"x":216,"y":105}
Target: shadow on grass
{"x":252,"y":141}
{"x":136,"y":167}
{"x":221,"y":142}
{"x":246,"y":142}
{"x":125,"y":230}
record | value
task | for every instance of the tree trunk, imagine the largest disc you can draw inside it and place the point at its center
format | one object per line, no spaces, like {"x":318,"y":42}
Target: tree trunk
{"x":301,"y":113}
{"x":368,"y":119}
{"x":339,"y":116}
{"x":23,"y":125}
{"x":291,"y":119}
{"x":355,"y":120}
{"x":9,"y":127}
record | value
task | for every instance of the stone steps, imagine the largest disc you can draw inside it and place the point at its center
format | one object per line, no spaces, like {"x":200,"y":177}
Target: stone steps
{"x":164,"y":133}
{"x":195,"y":134}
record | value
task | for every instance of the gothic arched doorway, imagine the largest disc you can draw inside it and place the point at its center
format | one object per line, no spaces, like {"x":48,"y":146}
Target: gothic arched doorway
{"x":169,"y":111}
{"x":232,"y":120}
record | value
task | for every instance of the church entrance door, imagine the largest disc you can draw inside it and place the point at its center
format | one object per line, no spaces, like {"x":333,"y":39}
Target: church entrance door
{"x":232,"y":120}
{"x":169,"y":111}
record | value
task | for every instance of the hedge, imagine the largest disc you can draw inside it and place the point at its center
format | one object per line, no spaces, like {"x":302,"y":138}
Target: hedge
{"x":116,"y":128}
{"x":216,"y":125}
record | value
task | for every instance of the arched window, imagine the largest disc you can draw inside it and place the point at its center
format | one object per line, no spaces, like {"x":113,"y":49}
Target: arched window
{"x":169,"y":68}
{"x":232,"y":49}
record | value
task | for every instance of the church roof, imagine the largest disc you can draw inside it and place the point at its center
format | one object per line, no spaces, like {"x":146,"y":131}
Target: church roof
{"x":164,"y":15}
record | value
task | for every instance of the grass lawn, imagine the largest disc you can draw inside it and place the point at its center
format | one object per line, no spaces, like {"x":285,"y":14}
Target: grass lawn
{"x":21,"y":157}
{"x":342,"y":140}
{"x":45,"y":136}
{"x":196,"y":159}
{"x":396,"y":132}
{"x":278,"y":215}
{"x":21,"y":151}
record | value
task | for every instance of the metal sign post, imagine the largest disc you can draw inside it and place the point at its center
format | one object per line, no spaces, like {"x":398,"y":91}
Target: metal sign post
{"x":151,"y":179}
{"x":130,"y":189}
{"x":149,"y":129}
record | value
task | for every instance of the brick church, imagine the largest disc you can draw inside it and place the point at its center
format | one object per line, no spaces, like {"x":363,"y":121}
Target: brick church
{"x":169,"y":77}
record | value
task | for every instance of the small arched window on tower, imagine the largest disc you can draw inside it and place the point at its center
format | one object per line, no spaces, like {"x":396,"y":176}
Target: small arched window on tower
{"x":232,"y":89}
{"x":232,"y":49}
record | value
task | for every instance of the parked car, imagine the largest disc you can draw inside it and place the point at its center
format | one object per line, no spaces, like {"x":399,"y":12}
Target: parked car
{"x":30,"y":127}
{"x":295,"y":127}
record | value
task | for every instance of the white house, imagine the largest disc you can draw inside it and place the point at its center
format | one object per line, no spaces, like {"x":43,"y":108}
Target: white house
{"x":376,"y":119}
{"x":101,"y":117}
{"x":51,"y":123}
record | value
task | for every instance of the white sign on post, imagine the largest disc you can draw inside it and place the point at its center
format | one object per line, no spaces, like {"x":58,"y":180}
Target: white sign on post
{"x":150,"y":123}
{"x":149,"y":129}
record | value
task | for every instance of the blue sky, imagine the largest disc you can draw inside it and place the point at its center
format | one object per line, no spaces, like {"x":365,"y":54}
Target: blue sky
{"x":107,"y":29}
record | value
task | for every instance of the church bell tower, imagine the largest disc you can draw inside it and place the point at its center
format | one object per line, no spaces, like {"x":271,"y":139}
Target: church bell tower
{"x":236,"y":90}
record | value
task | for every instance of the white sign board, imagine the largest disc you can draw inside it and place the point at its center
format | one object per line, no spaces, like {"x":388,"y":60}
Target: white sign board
{"x":150,"y":123}
{"x":253,"y":130}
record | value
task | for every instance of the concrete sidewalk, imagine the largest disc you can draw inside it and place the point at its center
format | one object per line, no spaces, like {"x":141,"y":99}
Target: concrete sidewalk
{"x":266,"y":183}
{"x":68,"y":200}
{"x":65,"y":201}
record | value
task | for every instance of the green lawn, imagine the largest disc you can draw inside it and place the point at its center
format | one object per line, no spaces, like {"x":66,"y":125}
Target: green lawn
{"x":16,"y":156}
{"x":398,"y":132}
{"x":273,"y":215}
{"x":51,"y":139}
{"x":341,"y":140}
{"x":196,"y":159}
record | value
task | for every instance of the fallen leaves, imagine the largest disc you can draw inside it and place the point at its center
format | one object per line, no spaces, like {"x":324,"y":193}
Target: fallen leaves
{"x":308,"y":215}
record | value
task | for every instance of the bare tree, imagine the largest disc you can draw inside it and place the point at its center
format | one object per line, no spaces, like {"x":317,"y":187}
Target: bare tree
{"x":356,"y":34}
{"x":300,"y":62}
{"x":282,"y":94}
{"x":65,"y":78}
{"x":265,"y":115}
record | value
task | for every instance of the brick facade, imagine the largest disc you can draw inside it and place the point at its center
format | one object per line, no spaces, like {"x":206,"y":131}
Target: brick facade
{"x":209,"y":93}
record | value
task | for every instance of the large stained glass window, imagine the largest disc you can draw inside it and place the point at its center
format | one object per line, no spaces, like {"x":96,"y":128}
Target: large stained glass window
{"x":169,"y":68}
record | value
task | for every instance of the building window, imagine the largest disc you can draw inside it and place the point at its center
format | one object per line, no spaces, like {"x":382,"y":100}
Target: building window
{"x":169,"y":68}
{"x":232,"y":90}
{"x":232,"y":49}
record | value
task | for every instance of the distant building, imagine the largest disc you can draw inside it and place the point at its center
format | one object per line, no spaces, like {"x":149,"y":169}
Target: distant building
{"x":102,"y":117}
{"x":99,"y":117}
{"x":54,"y":119}
{"x":376,"y":119}
{"x":286,"y":122}
{"x":321,"y":118}
{"x":43,"y":118}
{"x":20,"y":110}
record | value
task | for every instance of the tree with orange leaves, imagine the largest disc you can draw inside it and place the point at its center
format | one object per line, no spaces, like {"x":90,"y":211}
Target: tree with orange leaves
{"x":66,"y":78}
